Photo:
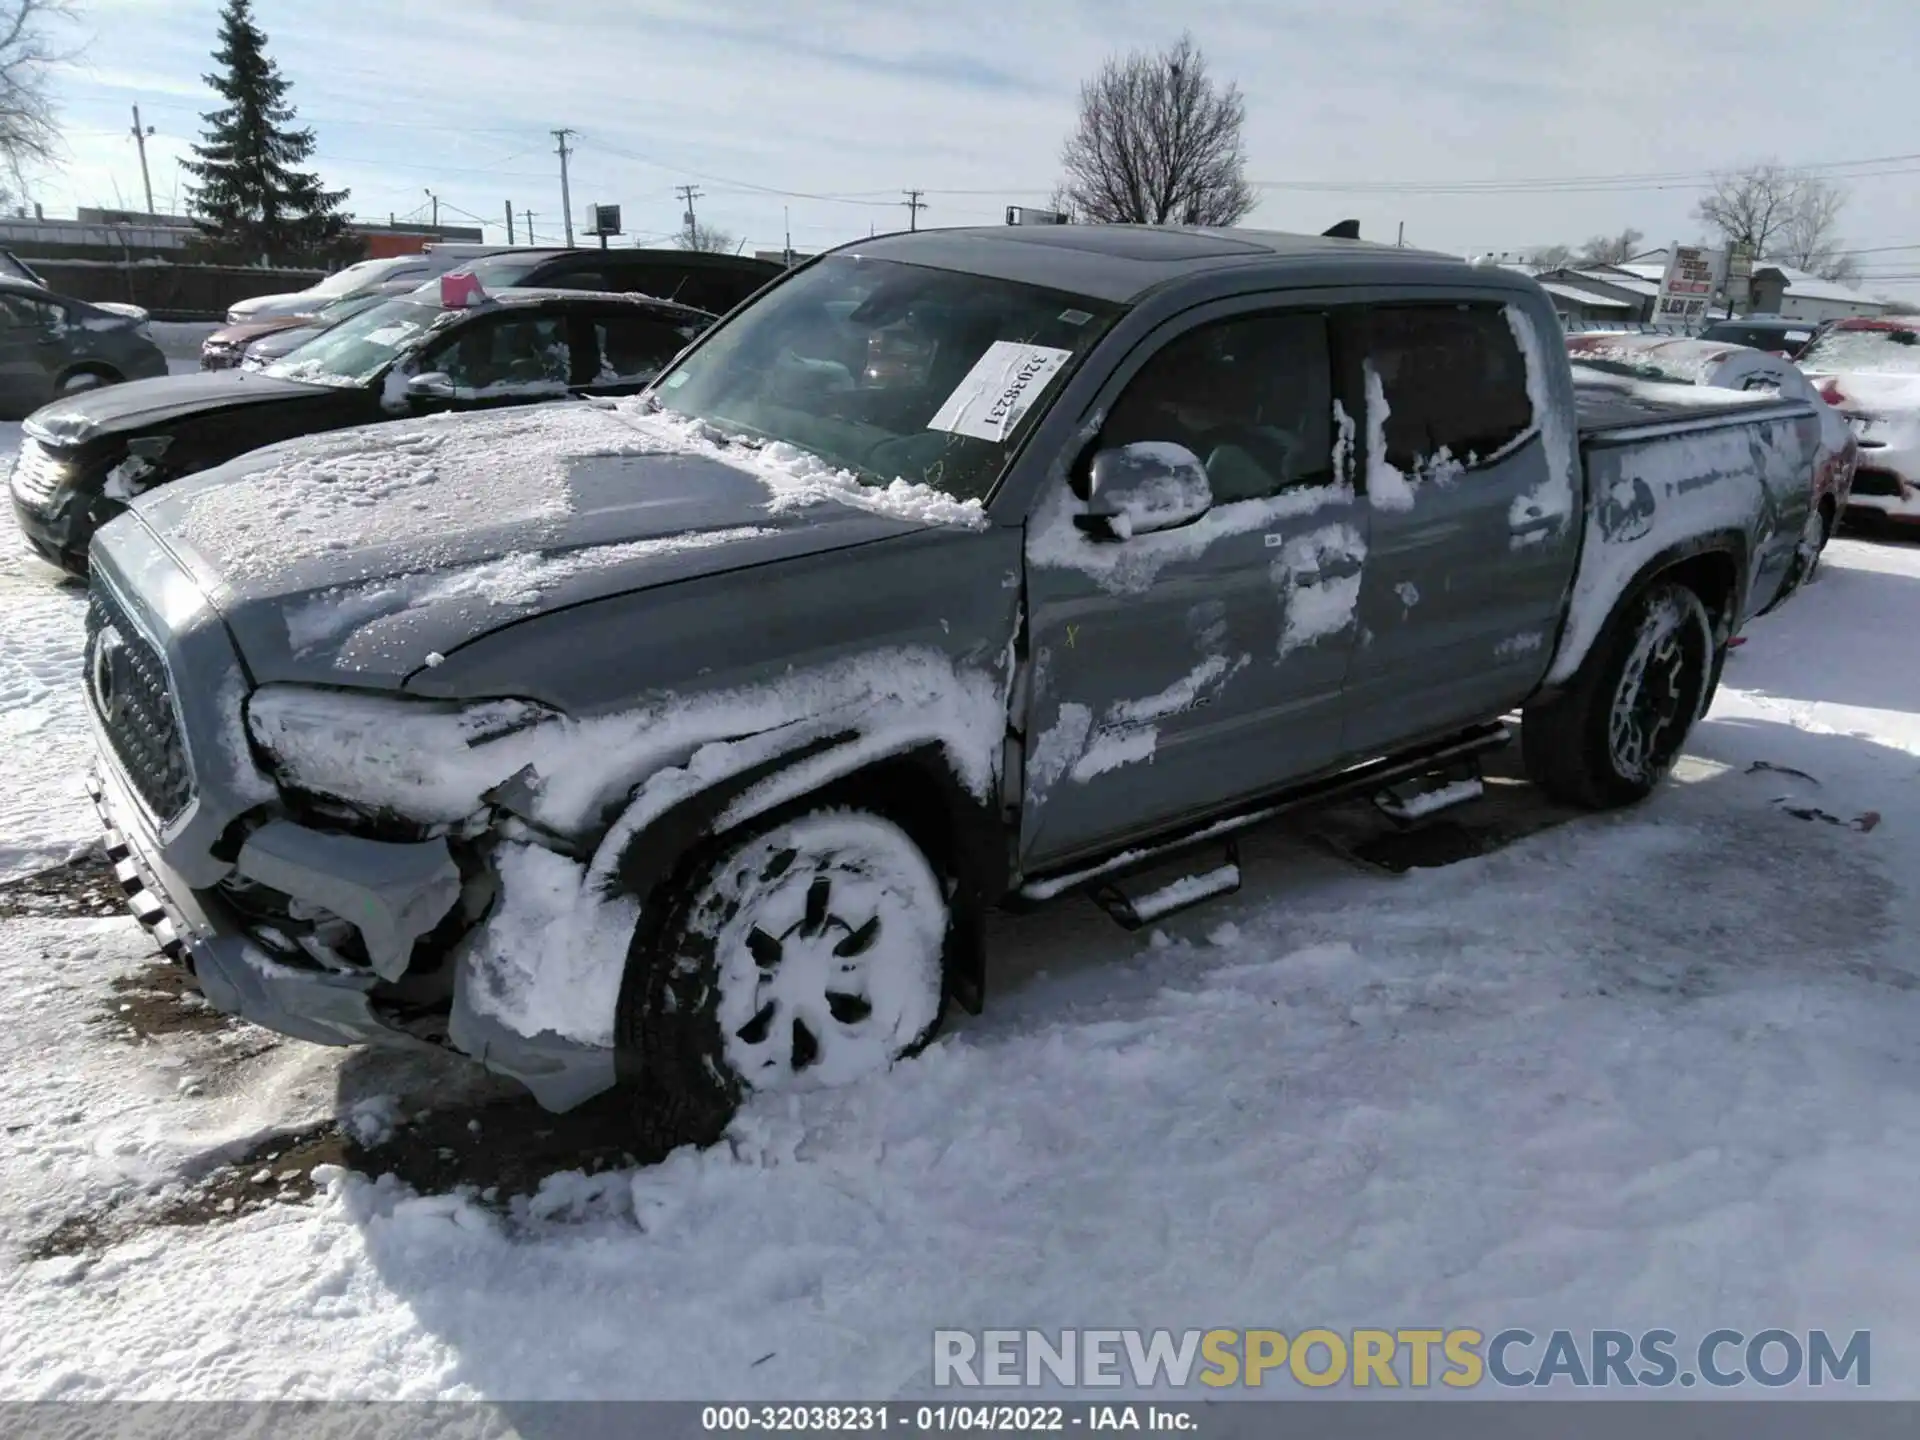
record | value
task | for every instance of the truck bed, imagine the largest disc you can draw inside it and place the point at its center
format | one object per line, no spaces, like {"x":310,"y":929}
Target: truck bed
{"x":1622,"y":409}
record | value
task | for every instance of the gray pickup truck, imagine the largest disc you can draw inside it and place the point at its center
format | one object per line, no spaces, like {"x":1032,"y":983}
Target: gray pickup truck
{"x":681,"y":743}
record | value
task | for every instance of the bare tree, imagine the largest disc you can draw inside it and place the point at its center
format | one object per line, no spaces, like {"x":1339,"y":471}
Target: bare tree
{"x":1550,"y":257}
{"x":706,"y":237}
{"x":1158,"y":143}
{"x":28,"y":132}
{"x":1788,"y":216}
{"x":1612,"y":249}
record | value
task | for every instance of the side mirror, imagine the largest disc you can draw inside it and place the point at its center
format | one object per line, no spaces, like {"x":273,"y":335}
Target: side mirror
{"x":1140,"y":488}
{"x":434,"y":385}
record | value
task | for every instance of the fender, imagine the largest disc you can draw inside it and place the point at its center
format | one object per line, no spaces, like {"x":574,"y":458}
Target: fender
{"x":1730,"y":609}
{"x":672,"y":822}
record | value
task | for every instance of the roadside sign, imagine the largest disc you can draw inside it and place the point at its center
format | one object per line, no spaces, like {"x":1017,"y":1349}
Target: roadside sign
{"x":1687,"y":289}
{"x":605,"y":220}
{"x":1027,"y":215}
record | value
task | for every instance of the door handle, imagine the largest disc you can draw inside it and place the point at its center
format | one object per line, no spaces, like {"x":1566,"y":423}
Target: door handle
{"x":1306,"y":577}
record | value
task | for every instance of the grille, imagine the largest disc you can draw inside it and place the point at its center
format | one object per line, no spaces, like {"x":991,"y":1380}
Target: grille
{"x":1875,"y":482}
{"x":139,"y":718}
{"x":37,"y":474}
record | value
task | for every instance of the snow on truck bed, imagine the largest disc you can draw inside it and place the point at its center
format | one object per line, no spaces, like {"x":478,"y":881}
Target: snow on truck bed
{"x":1650,"y":1069}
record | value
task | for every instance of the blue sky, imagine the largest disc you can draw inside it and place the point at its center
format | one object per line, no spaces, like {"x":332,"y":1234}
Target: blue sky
{"x":845,"y":104}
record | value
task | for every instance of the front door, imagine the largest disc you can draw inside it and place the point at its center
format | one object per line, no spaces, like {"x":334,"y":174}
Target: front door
{"x":1471,"y":541}
{"x":1176,"y":672}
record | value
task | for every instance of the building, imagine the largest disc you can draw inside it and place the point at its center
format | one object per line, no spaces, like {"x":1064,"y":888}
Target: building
{"x":1795,"y":295}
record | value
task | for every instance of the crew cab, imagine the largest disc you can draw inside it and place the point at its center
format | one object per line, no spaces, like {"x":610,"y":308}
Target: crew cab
{"x":681,"y":744}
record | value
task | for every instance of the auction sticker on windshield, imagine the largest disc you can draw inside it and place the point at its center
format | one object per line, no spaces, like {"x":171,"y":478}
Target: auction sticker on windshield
{"x":999,"y":389}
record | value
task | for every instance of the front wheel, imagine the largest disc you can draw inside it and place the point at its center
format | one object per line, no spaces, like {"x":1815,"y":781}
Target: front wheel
{"x":1616,"y":732}
{"x":808,"y":954}
{"x":82,"y":381}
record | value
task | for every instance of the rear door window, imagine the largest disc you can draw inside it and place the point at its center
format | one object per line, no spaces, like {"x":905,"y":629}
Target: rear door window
{"x":1454,"y":380}
{"x":630,"y":349}
{"x":505,"y":354}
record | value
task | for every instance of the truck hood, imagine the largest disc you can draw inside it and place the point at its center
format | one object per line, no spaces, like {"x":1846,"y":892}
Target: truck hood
{"x":114,"y":409}
{"x":357,"y":557}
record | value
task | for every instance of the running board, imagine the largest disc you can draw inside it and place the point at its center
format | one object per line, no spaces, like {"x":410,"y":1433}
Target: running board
{"x":1140,"y":899}
{"x":1423,"y":795}
{"x":1373,"y":775}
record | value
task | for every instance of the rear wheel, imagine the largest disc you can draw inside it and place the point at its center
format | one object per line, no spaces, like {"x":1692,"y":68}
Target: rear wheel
{"x":809,"y":953}
{"x":1616,"y":732}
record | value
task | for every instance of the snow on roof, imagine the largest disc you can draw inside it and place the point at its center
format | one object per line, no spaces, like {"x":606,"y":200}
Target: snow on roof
{"x":1588,"y":298}
{"x":1654,"y":270}
{"x":1620,"y":279}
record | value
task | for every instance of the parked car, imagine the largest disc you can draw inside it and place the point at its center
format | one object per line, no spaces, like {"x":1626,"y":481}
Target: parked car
{"x":704,"y":280}
{"x":51,"y":346}
{"x":1868,"y":368}
{"x":81,"y":461}
{"x":1729,"y":366}
{"x":684,"y":742}
{"x":227,"y":348}
{"x":355,"y":279}
{"x":1771,"y":333}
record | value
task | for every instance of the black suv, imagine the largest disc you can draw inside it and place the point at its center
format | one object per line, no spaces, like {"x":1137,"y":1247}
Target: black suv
{"x":710,"y":282}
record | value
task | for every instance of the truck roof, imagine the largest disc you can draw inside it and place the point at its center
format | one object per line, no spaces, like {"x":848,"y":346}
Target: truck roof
{"x":1122,"y":262}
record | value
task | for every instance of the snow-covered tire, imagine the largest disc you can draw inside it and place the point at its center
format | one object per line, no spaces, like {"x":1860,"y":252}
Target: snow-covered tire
{"x":807,"y":953}
{"x":1615,"y":733}
{"x":1805,"y":566}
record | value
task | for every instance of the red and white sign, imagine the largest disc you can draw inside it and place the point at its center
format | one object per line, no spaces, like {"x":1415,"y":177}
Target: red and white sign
{"x":1687,"y":289}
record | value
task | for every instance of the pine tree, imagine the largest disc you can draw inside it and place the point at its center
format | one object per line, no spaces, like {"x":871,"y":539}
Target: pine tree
{"x":251,"y":203}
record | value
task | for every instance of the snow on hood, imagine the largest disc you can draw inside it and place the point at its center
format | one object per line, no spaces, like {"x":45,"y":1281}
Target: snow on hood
{"x":365,"y":552}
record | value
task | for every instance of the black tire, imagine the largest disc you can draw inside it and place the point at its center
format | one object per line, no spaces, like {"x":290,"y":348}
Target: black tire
{"x":1614,"y":734}
{"x":731,"y":994}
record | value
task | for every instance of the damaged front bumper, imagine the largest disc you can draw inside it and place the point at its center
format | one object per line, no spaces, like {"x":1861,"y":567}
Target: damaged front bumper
{"x":391,"y":893}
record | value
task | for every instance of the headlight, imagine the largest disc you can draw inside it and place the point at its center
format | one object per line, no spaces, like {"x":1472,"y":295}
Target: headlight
{"x":427,"y":760}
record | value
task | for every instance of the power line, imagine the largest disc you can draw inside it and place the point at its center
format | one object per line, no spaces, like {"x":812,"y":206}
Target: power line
{"x":914,"y":205}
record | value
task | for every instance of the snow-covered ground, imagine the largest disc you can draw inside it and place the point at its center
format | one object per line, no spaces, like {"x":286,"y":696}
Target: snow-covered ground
{"x":1653,"y":1069}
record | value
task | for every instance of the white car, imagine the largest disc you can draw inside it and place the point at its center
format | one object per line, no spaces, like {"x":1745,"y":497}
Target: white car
{"x":1869,"y":369}
{"x":1721,"y":365}
{"x":354,"y":280}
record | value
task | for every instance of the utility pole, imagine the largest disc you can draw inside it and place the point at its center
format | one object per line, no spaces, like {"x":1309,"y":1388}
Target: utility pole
{"x":529,"y":215}
{"x":436,"y":207}
{"x":1402,"y":241}
{"x":566,"y":196}
{"x":140,"y":138}
{"x":914,"y":205}
{"x":688,"y":194}
{"x":509,"y":222}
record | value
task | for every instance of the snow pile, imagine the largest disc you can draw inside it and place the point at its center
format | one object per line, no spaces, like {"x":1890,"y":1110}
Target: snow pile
{"x":797,"y":477}
{"x":1324,"y":606}
{"x":510,"y":582}
{"x":550,"y":957}
{"x":1387,"y":487}
{"x":1550,"y":505}
{"x":404,"y":481}
{"x":1054,"y":542}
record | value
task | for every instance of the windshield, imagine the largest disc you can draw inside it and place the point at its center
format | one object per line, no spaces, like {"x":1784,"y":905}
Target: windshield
{"x":1888,"y":352}
{"x":890,"y":371}
{"x":359,"y":347}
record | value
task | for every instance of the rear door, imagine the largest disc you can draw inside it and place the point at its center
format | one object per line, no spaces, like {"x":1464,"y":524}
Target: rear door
{"x":1176,"y":672}
{"x":1466,"y":578}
